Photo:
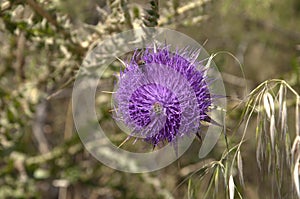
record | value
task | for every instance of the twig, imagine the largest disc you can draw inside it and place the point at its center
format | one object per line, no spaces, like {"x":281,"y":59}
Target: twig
{"x":69,"y":122}
{"x":191,"y":6}
{"x":194,"y":167}
{"x":183,"y":9}
{"x":6,"y":5}
{"x":126,"y":14}
{"x":20,"y":58}
{"x":234,"y":80}
{"x":57,"y":152}
{"x":41,"y":11}
{"x":37,"y":129}
{"x":37,"y":8}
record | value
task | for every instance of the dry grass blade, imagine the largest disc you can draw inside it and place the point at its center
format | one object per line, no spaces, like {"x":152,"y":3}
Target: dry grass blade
{"x":296,"y":158}
{"x":281,"y":98}
{"x":296,"y":176}
{"x":258,"y":147}
{"x":269,"y":104}
{"x":216,"y":180}
{"x":240,"y":168}
{"x":288,"y":149}
{"x":297,"y":115}
{"x":231,"y":187}
{"x":259,"y":133}
{"x":272,"y":131}
{"x":190,"y":190}
{"x":283,"y":118}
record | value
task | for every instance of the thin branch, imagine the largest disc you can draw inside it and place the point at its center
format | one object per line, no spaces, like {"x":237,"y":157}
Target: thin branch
{"x":41,"y":11}
{"x":69,"y":122}
{"x":37,"y":8}
{"x":126,"y":14}
{"x":191,"y":5}
{"x":20,"y":58}
{"x":38,"y":126}
{"x":68,"y":148}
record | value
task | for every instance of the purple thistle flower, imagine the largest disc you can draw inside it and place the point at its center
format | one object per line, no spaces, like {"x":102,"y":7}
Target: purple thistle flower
{"x":162,"y":95}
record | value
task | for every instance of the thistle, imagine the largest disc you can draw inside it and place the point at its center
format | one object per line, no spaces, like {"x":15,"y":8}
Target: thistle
{"x":162,"y":95}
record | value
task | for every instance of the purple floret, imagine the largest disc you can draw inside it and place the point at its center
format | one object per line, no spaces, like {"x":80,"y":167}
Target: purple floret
{"x":162,"y":95}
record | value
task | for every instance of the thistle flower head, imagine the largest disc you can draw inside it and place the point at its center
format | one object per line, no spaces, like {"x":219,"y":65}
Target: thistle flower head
{"x":162,"y":95}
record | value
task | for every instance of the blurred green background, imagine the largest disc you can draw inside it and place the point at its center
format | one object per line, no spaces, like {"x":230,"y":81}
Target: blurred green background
{"x":43,"y":43}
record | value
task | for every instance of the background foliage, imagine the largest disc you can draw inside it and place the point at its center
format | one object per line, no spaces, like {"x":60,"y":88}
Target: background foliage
{"x":42,"y":45}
